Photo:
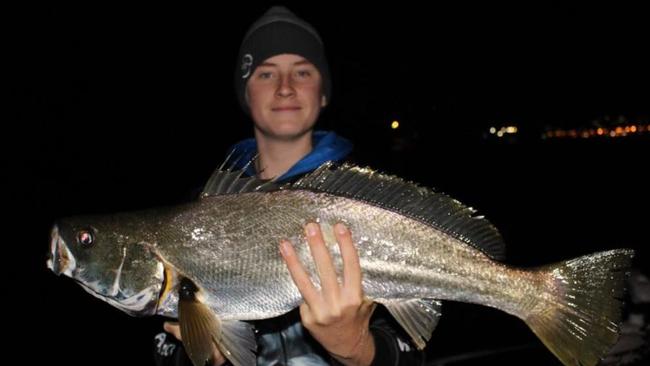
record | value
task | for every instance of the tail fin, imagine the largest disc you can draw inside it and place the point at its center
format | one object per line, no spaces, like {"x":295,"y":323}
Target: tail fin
{"x":579,"y":321}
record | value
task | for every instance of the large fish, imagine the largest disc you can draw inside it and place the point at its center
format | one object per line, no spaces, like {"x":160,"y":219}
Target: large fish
{"x":215,"y":262}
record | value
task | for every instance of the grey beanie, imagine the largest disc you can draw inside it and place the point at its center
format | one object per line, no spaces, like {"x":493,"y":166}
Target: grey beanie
{"x":279,"y":31}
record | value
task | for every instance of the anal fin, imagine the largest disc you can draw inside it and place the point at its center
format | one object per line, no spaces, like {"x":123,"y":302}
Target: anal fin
{"x":202,"y":331}
{"x":418,"y":317}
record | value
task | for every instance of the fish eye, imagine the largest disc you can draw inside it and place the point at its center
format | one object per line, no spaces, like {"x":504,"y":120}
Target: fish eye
{"x":85,"y":238}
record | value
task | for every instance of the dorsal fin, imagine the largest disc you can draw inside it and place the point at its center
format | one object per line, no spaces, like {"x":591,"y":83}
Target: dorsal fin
{"x":430,"y":207}
{"x":226,"y":181}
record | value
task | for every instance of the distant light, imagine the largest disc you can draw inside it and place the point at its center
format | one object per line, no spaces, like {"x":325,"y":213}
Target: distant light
{"x":500,"y":133}
{"x":394,"y":125}
{"x":622,"y":130}
{"x":511,"y":129}
{"x":493,"y":130}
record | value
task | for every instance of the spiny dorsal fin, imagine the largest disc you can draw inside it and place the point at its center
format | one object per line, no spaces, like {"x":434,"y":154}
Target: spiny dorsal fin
{"x":432,"y":208}
{"x":226,"y":181}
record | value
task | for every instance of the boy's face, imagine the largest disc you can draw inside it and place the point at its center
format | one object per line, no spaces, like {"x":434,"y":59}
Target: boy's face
{"x":284,"y":96}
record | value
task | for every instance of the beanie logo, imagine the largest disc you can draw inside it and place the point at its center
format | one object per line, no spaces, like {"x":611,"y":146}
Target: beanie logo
{"x":246,"y":64}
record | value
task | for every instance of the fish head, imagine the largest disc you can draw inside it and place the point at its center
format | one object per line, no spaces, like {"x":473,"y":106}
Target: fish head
{"x":112,"y":265}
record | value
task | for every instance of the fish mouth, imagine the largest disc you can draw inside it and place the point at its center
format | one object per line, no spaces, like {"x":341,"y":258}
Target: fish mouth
{"x":60,"y":260}
{"x":143,"y":303}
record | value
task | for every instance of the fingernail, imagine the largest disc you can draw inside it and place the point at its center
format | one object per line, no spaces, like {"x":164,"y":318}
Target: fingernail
{"x":311,"y":229}
{"x":340,"y":228}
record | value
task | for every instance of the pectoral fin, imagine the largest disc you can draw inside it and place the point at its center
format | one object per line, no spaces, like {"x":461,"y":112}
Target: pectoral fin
{"x":202,"y":331}
{"x":418,"y":317}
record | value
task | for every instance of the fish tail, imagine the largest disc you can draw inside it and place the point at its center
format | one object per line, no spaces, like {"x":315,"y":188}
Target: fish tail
{"x":577,"y":316}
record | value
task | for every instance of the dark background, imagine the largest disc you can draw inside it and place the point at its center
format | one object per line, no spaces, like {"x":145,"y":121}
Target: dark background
{"x":115,"y":108}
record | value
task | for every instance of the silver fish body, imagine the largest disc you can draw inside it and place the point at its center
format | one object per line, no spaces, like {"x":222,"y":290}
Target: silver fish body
{"x":229,"y":246}
{"x":217,"y":259}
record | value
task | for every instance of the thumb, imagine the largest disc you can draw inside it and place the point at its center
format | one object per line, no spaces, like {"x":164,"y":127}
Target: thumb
{"x":173,"y":328}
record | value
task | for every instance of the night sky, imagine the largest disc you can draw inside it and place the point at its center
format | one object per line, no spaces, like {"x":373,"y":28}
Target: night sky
{"x":115,"y":108}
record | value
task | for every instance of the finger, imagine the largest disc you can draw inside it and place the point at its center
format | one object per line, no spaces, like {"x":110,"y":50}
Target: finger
{"x":298,"y":273}
{"x":173,"y":328}
{"x":217,"y":357}
{"x":323,"y":261}
{"x":350,"y":256}
{"x":368,"y":307}
{"x":306,"y":314}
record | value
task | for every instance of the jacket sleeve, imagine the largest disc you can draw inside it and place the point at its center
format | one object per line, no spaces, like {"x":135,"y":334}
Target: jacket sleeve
{"x":168,"y":351}
{"x":393,"y":348}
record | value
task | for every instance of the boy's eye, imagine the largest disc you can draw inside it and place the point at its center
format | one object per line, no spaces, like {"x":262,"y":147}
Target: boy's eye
{"x":304,"y":73}
{"x":265,"y":75}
